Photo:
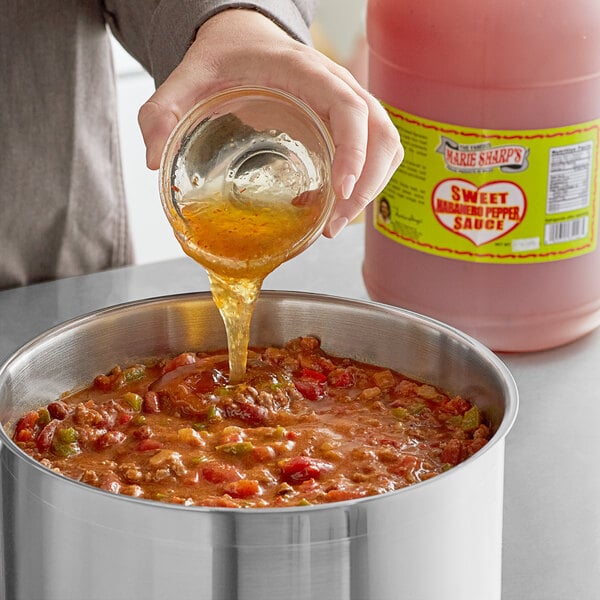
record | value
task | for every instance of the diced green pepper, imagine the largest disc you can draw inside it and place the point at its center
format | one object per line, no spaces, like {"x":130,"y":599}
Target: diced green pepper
{"x":236,"y":448}
{"x":139,"y":420}
{"x":455,"y":421}
{"x":134,"y":400}
{"x":400,"y":413}
{"x":65,"y":442}
{"x":44,"y":416}
{"x":417,"y":408}
{"x":65,"y":450}
{"x":304,"y":502}
{"x":213,"y":414}
{"x":280,"y":432}
{"x":471,"y":419}
{"x":134,"y":373}
{"x":67,"y":435}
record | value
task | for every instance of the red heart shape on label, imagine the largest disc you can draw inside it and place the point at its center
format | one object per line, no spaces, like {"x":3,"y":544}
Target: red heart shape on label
{"x":480,"y":214}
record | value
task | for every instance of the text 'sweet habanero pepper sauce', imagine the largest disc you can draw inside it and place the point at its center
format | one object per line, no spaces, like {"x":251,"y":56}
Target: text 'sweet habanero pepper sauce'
{"x":491,"y":222}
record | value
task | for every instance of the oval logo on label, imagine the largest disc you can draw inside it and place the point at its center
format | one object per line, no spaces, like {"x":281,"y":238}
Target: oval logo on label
{"x":479,"y":214}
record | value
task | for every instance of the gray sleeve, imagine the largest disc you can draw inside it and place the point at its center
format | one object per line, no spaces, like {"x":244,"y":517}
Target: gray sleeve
{"x":158,"y":32}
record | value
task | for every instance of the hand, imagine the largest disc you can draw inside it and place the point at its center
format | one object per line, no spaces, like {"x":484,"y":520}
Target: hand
{"x":243,"y":47}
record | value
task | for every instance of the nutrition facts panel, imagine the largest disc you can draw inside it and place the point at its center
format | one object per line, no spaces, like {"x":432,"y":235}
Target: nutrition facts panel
{"x":569,"y":170}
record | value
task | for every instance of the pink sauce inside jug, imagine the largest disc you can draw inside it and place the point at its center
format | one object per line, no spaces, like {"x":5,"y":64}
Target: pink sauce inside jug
{"x":494,"y":212}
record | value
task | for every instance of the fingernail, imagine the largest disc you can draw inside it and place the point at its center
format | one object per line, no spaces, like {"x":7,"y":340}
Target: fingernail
{"x":337,"y":225}
{"x":348,"y":186}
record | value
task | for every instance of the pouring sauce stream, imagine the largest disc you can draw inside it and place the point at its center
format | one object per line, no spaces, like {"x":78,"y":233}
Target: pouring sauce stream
{"x":239,"y":244}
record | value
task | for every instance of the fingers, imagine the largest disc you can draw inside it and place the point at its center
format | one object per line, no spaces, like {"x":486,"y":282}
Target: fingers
{"x":383,"y":154}
{"x":346,"y":210}
{"x":367,"y":145}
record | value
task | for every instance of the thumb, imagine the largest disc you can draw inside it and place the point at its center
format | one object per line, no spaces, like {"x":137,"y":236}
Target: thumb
{"x":156,"y":123}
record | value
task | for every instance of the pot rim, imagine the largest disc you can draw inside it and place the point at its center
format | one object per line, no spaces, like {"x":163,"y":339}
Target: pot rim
{"x":508,"y":419}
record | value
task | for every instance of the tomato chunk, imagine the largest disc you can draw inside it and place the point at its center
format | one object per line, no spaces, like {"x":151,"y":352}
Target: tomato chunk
{"x":25,"y":435}
{"x":220,"y":473}
{"x":244,"y":488}
{"x":27,"y":421}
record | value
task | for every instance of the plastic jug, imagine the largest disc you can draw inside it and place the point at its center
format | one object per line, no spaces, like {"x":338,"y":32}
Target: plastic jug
{"x":491,"y":222}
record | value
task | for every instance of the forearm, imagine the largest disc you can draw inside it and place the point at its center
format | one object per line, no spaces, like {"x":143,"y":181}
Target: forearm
{"x":158,"y":33}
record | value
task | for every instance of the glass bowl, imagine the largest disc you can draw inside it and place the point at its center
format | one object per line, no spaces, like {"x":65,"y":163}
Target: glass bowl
{"x":245,"y":180}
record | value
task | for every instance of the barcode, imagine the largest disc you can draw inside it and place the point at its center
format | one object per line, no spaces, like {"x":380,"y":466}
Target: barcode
{"x":566,"y":231}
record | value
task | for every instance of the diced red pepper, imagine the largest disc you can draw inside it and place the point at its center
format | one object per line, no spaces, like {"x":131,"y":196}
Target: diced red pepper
{"x":309,"y":389}
{"x":313,"y":375}
{"x":124,"y":418}
{"x":311,"y":384}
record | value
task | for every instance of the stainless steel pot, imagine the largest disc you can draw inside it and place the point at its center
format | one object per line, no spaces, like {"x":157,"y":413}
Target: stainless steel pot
{"x":436,"y":540}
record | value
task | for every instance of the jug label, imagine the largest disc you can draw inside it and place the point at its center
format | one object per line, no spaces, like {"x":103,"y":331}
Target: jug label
{"x":497,"y":196}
